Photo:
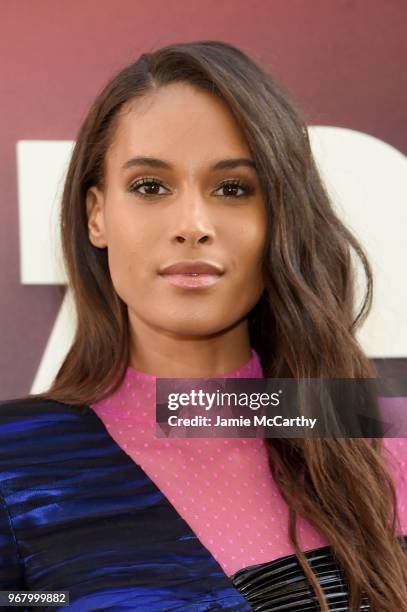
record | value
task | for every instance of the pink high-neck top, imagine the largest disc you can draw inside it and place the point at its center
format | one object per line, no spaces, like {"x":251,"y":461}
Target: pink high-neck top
{"x":222,"y":487}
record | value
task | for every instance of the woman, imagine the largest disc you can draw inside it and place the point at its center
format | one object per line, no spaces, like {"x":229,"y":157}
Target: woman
{"x":199,"y":242}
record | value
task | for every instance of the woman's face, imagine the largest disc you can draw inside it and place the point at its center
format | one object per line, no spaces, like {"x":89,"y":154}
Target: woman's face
{"x":180,"y":209}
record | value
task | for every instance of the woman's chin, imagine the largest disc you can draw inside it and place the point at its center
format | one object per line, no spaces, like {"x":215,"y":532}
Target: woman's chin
{"x":198,"y":325}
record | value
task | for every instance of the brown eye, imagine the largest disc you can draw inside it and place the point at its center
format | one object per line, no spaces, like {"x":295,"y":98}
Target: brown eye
{"x":151,"y":185}
{"x":231,"y":188}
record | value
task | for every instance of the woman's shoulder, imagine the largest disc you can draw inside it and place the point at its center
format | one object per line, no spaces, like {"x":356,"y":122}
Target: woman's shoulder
{"x":37,"y":430}
{"x":45,"y":441}
{"x":32,"y":418}
{"x":37,"y":408}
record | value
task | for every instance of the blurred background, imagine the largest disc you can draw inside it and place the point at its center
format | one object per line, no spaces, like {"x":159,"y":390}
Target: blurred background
{"x":344,"y":63}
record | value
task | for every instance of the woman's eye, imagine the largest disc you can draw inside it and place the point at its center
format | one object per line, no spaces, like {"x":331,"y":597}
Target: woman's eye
{"x":152,"y":188}
{"x":230,"y":189}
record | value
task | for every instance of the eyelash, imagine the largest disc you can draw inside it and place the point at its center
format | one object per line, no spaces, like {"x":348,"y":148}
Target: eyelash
{"x":248,"y":189}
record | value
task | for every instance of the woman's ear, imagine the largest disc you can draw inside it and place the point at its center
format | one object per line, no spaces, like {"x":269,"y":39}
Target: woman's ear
{"x":96,"y":220}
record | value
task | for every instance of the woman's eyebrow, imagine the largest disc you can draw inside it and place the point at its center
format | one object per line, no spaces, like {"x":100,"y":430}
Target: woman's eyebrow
{"x":160,"y":163}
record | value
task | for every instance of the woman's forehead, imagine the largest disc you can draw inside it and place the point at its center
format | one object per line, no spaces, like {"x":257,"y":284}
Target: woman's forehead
{"x":179,"y":122}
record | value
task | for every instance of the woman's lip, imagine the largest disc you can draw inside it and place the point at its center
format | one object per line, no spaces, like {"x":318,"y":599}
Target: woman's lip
{"x":192,"y":281}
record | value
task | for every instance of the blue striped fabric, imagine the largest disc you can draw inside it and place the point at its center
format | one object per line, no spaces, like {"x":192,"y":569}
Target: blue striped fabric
{"x":78,"y":515}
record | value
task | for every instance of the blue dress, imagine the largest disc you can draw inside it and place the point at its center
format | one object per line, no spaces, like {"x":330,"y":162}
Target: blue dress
{"x":78,"y":515}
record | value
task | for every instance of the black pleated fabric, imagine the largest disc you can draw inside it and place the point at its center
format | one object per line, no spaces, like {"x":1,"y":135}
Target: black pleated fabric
{"x":281,"y":585}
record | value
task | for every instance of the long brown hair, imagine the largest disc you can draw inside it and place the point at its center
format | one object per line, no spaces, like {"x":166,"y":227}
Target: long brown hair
{"x":303,"y":325}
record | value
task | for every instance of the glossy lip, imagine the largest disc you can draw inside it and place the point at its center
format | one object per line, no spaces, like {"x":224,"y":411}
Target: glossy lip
{"x":191,"y":266}
{"x":188,"y":281}
{"x":192,"y":274}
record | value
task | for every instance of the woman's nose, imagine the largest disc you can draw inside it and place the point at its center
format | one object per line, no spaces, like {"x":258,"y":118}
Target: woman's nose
{"x":192,"y":220}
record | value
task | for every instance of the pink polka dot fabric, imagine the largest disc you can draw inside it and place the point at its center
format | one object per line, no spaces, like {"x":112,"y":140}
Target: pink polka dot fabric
{"x":221,"y":487}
